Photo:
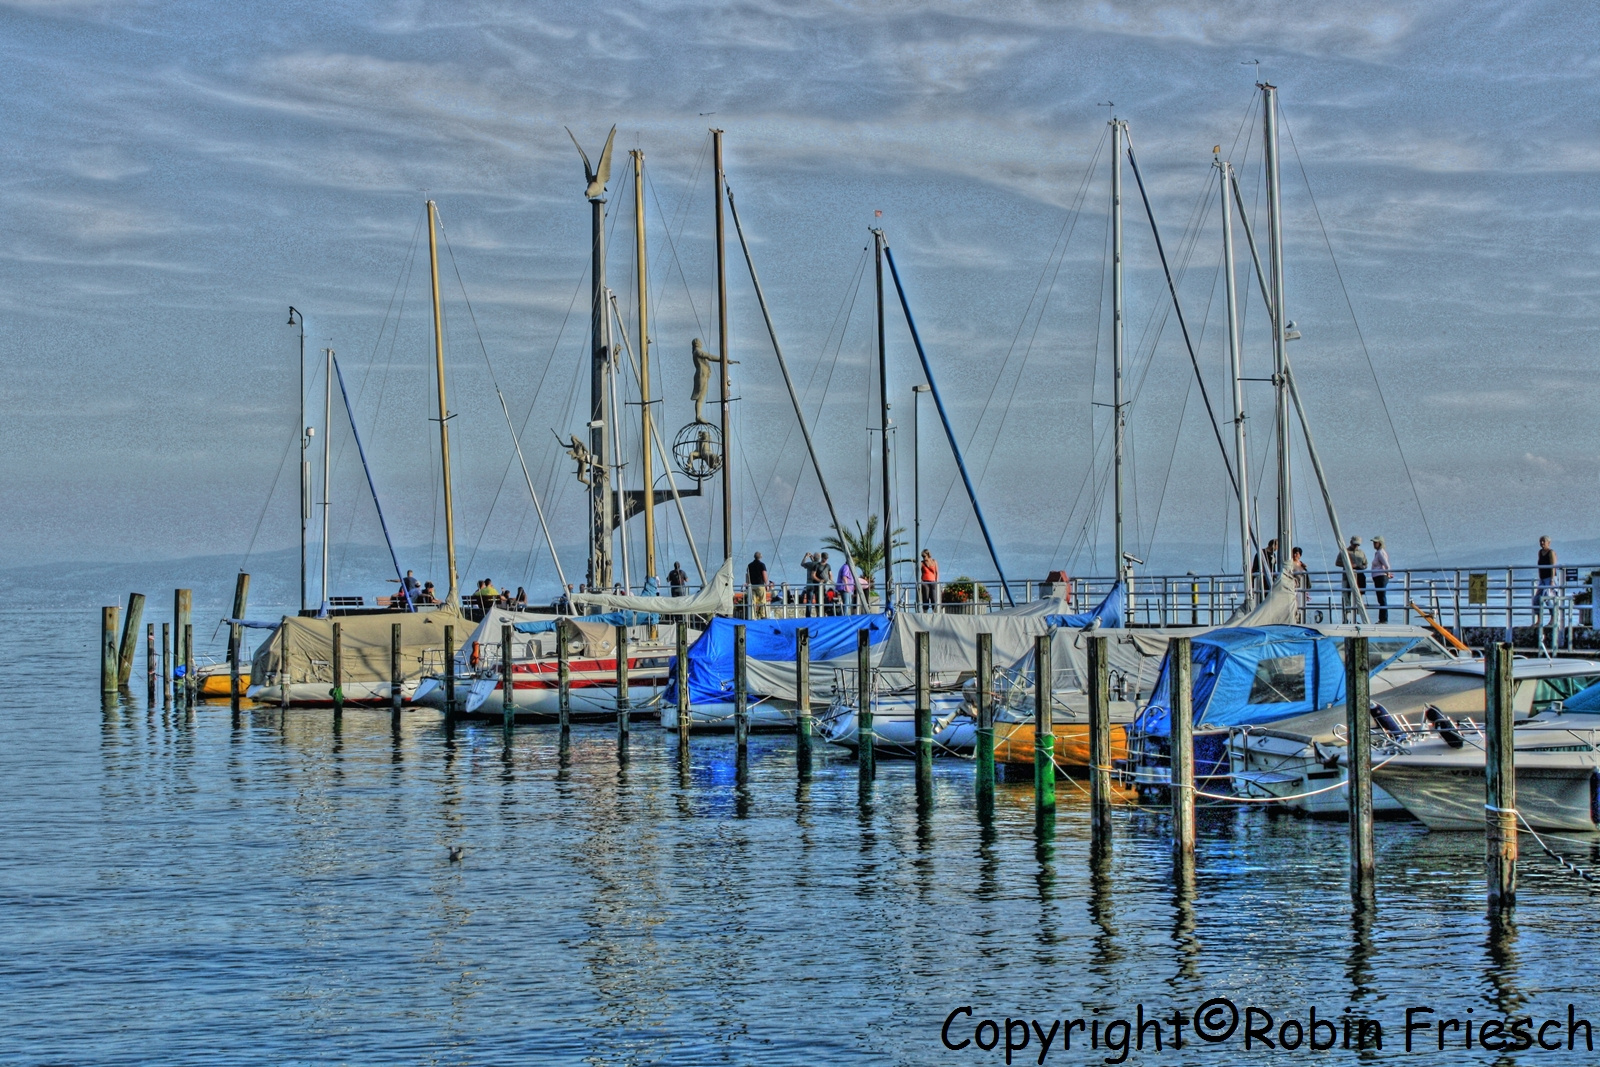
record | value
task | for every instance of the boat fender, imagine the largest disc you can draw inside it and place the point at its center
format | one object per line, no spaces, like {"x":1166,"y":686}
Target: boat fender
{"x":473,"y":659}
{"x":1386,"y":721}
{"x":1441,"y":724}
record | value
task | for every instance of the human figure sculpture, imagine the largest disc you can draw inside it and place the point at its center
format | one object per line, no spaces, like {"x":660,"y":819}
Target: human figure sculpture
{"x":585,"y":459}
{"x":702,"y":377}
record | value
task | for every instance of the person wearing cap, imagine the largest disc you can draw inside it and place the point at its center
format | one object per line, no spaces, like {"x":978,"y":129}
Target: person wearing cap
{"x":1358,"y":566}
{"x":1380,"y":577}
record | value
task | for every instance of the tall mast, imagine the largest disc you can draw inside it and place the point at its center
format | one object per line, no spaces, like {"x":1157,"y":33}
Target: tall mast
{"x":1235,"y":370}
{"x":614,"y":423}
{"x":305,"y":463}
{"x":327,"y":495}
{"x":1280,"y":355}
{"x":883,"y":424}
{"x":1118,"y":128}
{"x":722,"y":349}
{"x":640,"y":261}
{"x":453,"y":597}
{"x":600,"y":506}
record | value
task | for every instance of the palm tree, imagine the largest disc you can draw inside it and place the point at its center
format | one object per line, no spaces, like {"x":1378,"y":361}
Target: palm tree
{"x":864,"y":548}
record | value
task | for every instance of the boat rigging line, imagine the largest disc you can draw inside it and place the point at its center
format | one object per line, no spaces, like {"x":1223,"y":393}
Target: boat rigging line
{"x":372,"y":487}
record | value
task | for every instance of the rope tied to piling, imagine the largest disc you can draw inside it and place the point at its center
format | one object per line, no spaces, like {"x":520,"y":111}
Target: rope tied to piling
{"x":1566,"y":864}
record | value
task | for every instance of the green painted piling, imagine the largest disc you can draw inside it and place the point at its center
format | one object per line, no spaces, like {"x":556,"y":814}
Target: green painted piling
{"x":563,"y":680}
{"x":338,"y":670}
{"x":984,"y":681}
{"x":924,"y":723}
{"x":130,"y":639}
{"x":865,"y":765}
{"x":150,"y":663}
{"x":1500,"y":780}
{"x":166,"y":662}
{"x":241,"y":602}
{"x":680,"y":670}
{"x":1099,"y":742}
{"x":1358,"y":761}
{"x":233,"y":665}
{"x":508,"y":682}
{"x":1044,"y":739}
{"x":741,"y":694}
{"x":1181,"y":666}
{"x":191,"y":687}
{"x":802,"y":701}
{"x":108,"y":649}
{"x":623,"y":702}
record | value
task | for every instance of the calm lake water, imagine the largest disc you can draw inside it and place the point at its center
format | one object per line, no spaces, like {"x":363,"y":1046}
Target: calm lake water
{"x":182,"y":888}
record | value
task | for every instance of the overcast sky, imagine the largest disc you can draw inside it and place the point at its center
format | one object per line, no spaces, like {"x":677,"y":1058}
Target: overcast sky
{"x":177,"y":174}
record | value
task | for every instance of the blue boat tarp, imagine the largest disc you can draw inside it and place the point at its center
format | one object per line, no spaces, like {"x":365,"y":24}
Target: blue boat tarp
{"x":769,"y":640}
{"x":1249,"y":675}
{"x":1109,"y":612}
{"x":610,"y":618}
{"x":1583,"y":700}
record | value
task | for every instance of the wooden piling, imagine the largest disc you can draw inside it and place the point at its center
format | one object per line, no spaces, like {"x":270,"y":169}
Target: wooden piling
{"x":1180,"y":669}
{"x":802,"y":701}
{"x":1099,"y":741}
{"x":338,"y":670}
{"x":396,"y":682}
{"x":166,"y":662}
{"x":283,"y":664}
{"x":108,"y":648}
{"x":1358,"y":762}
{"x":233,"y":665}
{"x":741,"y":693}
{"x":865,"y":766}
{"x":680,"y":667}
{"x":623,"y":702}
{"x":984,"y":754}
{"x":150,"y":664}
{"x":130,"y":639}
{"x":190,"y":686}
{"x":241,"y":601}
{"x":508,"y":684}
{"x":182,"y":604}
{"x":449,"y":673}
{"x":924,"y":723}
{"x":1500,"y":780}
{"x":1044,"y":740}
{"x":563,"y":680}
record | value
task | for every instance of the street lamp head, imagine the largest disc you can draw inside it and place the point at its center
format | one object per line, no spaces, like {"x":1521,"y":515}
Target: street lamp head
{"x":922,"y":388}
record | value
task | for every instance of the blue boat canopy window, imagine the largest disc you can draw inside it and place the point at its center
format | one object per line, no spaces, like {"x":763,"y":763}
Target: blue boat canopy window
{"x":1279,"y":680}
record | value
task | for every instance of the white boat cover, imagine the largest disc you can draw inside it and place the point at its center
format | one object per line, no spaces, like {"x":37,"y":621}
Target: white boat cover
{"x":715,"y":599}
{"x":1281,"y":606}
{"x":953,"y":639}
{"x":364,"y":646}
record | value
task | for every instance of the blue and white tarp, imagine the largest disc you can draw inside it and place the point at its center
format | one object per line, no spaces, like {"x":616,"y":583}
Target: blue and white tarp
{"x":769,"y":646}
{"x":1108,"y":613}
{"x":1583,"y":700}
{"x":1250,"y":675}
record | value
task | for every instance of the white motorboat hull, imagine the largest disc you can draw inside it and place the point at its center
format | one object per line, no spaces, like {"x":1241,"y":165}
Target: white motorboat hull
{"x":1297,"y":773}
{"x":765,"y":714}
{"x":894,"y":728}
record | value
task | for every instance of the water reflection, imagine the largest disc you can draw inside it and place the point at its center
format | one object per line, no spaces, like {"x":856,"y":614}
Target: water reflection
{"x":1185,"y":925}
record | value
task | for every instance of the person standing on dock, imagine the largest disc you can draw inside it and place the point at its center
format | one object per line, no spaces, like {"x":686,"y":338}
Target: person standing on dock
{"x":1380,"y":577}
{"x":1547,"y":572}
{"x":1358,"y":566}
{"x":677,"y":580}
{"x":846,"y":588}
{"x":811,"y":564}
{"x":1265,"y":568}
{"x":1302,"y":583}
{"x":824,"y":581}
{"x":930,"y":581}
{"x":755,"y":583}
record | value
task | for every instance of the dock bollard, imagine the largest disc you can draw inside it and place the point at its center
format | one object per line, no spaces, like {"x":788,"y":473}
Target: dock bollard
{"x":680,"y":667}
{"x":1099,"y":742}
{"x":1500,"y":780}
{"x":1181,"y":670}
{"x":150,"y":665}
{"x":1044,"y":740}
{"x":1358,"y":761}
{"x":130,"y":639}
{"x":108,"y":649}
{"x":741,"y":699}
{"x":802,"y":701}
{"x":984,"y":749}
{"x":338,"y":673}
{"x":865,"y":766}
{"x":508,"y":685}
{"x":449,"y":674}
{"x":924,"y":723}
{"x":563,"y":681}
{"x":166,"y":663}
{"x":622,"y":693}
{"x":395,"y":683}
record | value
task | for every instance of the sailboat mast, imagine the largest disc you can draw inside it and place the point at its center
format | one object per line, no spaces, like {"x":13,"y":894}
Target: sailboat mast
{"x":614,"y":423}
{"x":646,"y":469}
{"x":883,"y":424}
{"x":453,"y":597}
{"x":1280,"y":354}
{"x":1118,"y":128}
{"x":1235,"y":371}
{"x":600,"y":511}
{"x":327,"y":495}
{"x":722,"y":348}
{"x":305,"y":464}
